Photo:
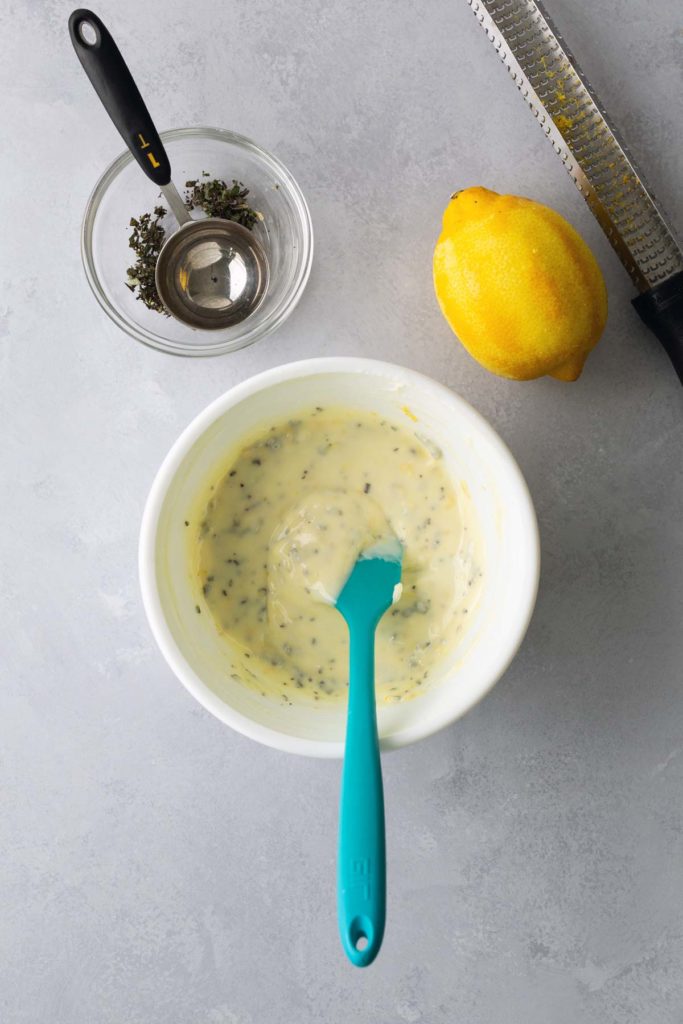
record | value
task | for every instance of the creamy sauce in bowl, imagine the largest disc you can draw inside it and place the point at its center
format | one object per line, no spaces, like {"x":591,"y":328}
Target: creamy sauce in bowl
{"x":284,"y":526}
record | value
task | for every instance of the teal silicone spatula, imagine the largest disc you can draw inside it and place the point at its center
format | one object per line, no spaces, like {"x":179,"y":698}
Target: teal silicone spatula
{"x":361,"y":869}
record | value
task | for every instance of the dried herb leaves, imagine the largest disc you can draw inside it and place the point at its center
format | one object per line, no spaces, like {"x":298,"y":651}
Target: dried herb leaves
{"x":146,"y":240}
{"x":214,"y":197}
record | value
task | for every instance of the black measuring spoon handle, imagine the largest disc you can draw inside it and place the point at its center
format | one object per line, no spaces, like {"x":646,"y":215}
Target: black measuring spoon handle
{"x":114,"y":84}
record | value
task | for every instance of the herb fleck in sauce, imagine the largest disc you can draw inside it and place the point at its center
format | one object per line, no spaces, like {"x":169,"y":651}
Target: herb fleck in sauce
{"x":283,"y":528}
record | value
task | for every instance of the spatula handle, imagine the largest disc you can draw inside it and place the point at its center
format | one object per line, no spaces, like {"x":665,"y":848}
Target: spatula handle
{"x":661,"y":308}
{"x":114,"y":84}
{"x":361,"y":866}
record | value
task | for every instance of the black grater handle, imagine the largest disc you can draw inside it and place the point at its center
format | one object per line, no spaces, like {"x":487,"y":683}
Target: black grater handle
{"x":661,"y":308}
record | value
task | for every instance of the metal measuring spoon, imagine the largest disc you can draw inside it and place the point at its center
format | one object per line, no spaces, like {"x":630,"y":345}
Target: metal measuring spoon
{"x":211,"y":273}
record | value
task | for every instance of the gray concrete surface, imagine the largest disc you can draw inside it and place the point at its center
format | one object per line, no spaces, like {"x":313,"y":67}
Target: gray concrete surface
{"x":154,"y":867}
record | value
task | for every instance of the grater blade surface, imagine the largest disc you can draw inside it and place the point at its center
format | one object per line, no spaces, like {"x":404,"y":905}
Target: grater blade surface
{"x":572,"y":117}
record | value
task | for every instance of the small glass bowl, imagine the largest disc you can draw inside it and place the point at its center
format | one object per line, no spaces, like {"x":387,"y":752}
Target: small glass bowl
{"x":285,"y":232}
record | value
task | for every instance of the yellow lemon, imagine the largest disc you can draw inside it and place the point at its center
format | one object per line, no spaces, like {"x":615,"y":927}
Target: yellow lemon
{"x":518,"y":285}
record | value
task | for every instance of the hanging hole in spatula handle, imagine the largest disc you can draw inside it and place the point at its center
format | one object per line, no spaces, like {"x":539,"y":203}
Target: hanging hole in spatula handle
{"x":114,"y":84}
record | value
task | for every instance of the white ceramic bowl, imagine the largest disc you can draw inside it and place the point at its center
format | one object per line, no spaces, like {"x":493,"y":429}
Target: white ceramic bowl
{"x":473,"y":453}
